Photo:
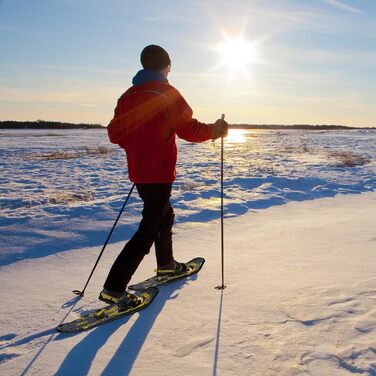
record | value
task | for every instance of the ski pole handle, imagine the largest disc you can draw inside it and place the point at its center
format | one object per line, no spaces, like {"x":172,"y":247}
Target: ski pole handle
{"x":223,"y":118}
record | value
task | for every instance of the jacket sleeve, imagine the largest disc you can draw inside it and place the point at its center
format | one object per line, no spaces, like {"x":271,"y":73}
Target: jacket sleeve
{"x":183,"y":124}
{"x":114,"y":128}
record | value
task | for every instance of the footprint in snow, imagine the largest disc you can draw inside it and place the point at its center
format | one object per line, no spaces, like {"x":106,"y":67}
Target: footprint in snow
{"x":195,"y":345}
{"x":6,"y":357}
{"x":7,"y":337}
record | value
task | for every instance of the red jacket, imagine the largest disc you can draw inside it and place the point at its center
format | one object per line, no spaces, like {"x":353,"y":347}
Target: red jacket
{"x":147,"y":118}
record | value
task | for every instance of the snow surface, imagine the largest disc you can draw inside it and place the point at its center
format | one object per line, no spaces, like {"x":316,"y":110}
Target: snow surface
{"x":55,"y":186}
{"x":300,"y":261}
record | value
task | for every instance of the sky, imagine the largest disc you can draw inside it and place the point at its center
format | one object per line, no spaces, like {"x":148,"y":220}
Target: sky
{"x":312,"y":62}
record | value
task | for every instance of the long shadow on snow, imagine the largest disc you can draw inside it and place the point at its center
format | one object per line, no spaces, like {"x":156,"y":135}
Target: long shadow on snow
{"x":51,"y":332}
{"x":275,"y":191}
{"x":88,"y":238}
{"x":218,"y":336}
{"x":25,"y":340}
{"x":80,"y":358}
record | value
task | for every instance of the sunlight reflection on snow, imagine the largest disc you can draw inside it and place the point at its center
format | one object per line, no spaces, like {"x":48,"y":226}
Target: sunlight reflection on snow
{"x":236,"y":136}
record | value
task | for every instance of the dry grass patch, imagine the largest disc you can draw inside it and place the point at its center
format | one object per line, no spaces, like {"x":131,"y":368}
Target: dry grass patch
{"x":297,"y":149}
{"x":65,"y":197}
{"x":348,"y":159}
{"x":100,"y":150}
{"x":57,"y":155}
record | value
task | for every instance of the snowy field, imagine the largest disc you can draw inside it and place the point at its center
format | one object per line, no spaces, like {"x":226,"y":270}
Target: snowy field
{"x":300,"y":256}
{"x":63,"y":189}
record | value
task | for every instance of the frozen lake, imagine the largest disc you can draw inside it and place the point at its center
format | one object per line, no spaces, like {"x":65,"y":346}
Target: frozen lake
{"x":60,"y":188}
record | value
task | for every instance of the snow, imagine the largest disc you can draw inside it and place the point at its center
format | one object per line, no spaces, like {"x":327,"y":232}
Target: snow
{"x":299,"y":268}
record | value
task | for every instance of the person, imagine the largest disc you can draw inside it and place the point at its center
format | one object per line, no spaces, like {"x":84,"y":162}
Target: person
{"x":147,"y":118}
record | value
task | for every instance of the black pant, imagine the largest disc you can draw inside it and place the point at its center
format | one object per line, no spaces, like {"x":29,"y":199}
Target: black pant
{"x":155,"y":227}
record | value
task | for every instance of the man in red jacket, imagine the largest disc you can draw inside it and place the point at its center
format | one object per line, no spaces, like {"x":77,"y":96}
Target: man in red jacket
{"x":148,"y":116}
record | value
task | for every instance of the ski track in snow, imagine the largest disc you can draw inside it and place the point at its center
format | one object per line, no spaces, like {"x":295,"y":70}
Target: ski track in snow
{"x":192,"y":346}
{"x":60,"y":192}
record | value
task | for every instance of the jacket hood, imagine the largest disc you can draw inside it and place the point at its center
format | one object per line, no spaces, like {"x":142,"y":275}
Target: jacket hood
{"x":145,"y":75}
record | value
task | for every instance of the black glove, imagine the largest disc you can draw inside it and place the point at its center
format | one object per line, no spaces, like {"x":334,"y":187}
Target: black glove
{"x":220,"y":128}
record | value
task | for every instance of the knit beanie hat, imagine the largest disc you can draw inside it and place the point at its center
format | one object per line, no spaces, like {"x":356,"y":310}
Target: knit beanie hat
{"x":154,"y":57}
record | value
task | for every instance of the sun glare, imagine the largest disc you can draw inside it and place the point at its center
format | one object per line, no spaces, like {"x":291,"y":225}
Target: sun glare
{"x":236,"y":136}
{"x":238,"y":54}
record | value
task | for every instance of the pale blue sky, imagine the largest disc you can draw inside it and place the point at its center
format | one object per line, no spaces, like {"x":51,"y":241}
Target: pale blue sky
{"x":70,"y":60}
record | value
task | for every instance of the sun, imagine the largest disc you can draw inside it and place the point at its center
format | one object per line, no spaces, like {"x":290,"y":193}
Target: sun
{"x":238,"y":54}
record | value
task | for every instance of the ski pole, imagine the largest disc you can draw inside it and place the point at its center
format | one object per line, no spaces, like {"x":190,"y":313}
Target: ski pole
{"x":81,"y":293}
{"x":222,"y":286}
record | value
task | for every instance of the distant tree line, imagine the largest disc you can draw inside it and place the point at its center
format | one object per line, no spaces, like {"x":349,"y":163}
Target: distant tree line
{"x":42,"y":124}
{"x":294,"y":126}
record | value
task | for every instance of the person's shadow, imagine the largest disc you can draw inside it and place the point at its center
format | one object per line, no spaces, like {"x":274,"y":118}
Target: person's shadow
{"x":78,"y":361}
